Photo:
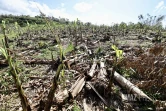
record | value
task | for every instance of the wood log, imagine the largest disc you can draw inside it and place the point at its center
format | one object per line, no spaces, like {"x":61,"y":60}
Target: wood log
{"x":131,"y":87}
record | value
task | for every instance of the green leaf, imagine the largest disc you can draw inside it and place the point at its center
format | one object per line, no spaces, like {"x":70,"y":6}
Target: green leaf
{"x":76,"y":108}
{"x":108,"y":109}
{"x":27,"y":23}
{"x":3,"y":52}
{"x":98,"y":50}
{"x":62,"y":73}
{"x":3,"y":24}
{"x":114,"y":47}
{"x":69,"y":48}
{"x":16,"y":25}
{"x":60,"y":51}
{"x":119,"y":54}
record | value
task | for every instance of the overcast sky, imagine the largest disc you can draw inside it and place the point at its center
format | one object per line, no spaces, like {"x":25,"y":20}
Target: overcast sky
{"x":94,"y":11}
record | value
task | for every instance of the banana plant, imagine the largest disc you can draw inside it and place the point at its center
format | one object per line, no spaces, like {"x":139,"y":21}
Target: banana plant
{"x":3,"y":53}
{"x":3,"y":24}
{"x":119,"y":53}
{"x":119,"y":56}
{"x":17,"y":27}
{"x":28,"y":24}
{"x":4,"y":33}
{"x":60,"y":70}
{"x":14,"y":70}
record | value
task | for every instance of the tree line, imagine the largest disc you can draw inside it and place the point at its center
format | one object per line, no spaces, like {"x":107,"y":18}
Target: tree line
{"x":146,"y":22}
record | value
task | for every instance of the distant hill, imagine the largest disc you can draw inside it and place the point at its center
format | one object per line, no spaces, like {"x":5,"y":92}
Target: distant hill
{"x":23,"y":19}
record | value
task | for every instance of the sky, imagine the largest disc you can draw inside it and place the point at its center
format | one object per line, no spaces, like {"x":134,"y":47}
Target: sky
{"x":95,"y":11}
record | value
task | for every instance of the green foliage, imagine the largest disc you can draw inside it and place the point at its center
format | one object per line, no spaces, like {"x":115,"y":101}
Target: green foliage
{"x":108,"y":109}
{"x":151,"y":22}
{"x":3,"y":24}
{"x":42,"y":44}
{"x":3,"y":52}
{"x":63,"y":51}
{"x":119,"y":53}
{"x":98,"y":50}
{"x":114,"y":47}
{"x":69,"y":48}
{"x":76,"y":108}
{"x":28,"y":24}
{"x":123,"y":25}
{"x":63,"y":72}
{"x":128,"y":72}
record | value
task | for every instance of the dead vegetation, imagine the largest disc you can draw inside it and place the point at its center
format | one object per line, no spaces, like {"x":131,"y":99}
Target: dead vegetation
{"x":94,"y":78}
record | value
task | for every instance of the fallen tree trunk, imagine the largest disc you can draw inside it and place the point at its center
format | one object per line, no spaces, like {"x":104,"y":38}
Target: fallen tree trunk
{"x":131,"y":87}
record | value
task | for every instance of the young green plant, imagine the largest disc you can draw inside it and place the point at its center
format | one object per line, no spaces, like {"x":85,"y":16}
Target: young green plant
{"x":14,"y":70}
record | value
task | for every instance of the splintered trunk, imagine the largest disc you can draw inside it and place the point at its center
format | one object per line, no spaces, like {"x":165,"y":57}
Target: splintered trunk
{"x":129,"y":86}
{"x":24,"y":101}
{"x":53,"y":88}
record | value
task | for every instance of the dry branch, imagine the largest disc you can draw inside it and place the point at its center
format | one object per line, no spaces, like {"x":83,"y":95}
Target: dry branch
{"x":104,"y":101}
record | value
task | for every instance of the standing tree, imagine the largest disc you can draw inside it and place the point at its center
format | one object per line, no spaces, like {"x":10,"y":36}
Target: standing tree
{"x":151,"y":22}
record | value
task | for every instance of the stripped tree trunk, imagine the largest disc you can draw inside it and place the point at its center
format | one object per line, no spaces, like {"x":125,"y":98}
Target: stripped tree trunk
{"x":131,"y":87}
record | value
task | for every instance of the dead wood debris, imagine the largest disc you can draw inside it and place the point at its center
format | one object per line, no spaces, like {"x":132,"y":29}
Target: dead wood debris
{"x":87,"y":81}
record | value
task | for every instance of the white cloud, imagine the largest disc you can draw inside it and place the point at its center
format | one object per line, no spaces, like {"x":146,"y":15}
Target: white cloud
{"x":17,"y":7}
{"x":160,"y":6}
{"x":82,"y":7}
{"x":28,"y":7}
{"x":97,"y":12}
